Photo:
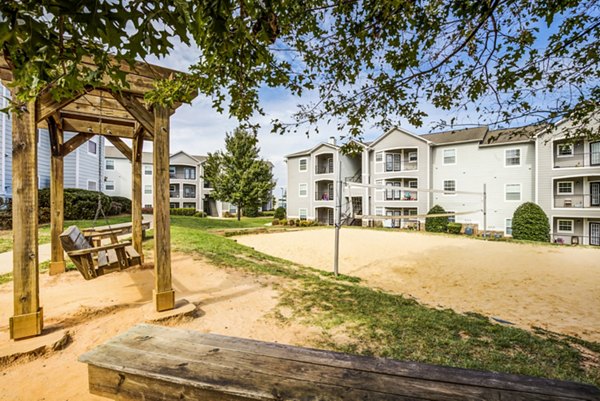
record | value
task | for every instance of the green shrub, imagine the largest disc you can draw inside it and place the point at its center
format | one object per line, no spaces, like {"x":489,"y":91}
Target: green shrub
{"x":283,"y":222}
{"x":251,"y":212}
{"x":454,"y":228}
{"x":200,"y":214}
{"x":6,"y":218}
{"x":530,"y":223}
{"x":228,"y":215}
{"x":275,"y":222}
{"x":279,"y":213}
{"x":436,"y":224}
{"x":80,"y":204}
{"x":268,"y":213}
{"x":183,"y":211}
{"x":124,"y":202}
{"x":147,"y":210}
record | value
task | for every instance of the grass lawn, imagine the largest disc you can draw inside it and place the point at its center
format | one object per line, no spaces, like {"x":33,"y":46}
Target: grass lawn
{"x":382,"y":324}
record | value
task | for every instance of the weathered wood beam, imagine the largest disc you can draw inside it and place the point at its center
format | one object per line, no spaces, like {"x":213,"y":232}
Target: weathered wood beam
{"x":136,"y":109}
{"x":164,"y":296}
{"x":27,"y":320}
{"x":98,"y":128}
{"x":136,"y":193}
{"x":57,"y":202}
{"x":122,"y":146}
{"x":47,"y":105}
{"x":88,"y":105}
{"x":75,"y":142}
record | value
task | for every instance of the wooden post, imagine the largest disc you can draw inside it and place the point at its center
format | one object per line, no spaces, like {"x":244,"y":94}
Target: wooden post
{"x":136,"y":192}
{"x":164,"y":296}
{"x":28,"y":317}
{"x":57,"y":200}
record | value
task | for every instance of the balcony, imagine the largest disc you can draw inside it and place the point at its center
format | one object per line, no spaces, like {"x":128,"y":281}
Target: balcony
{"x":182,"y":173}
{"x":582,"y":159}
{"x":577,"y":201}
{"x":324,"y":196}
{"x":400,"y":195}
{"x":324,"y":164}
{"x":173,"y":194}
{"x":401,"y":160}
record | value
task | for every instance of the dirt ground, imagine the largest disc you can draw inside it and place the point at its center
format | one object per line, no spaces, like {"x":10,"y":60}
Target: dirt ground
{"x":556,"y":288}
{"x":229,"y":302}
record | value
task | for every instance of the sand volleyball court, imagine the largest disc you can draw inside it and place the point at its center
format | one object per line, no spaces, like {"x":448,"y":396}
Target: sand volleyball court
{"x":555,"y":288}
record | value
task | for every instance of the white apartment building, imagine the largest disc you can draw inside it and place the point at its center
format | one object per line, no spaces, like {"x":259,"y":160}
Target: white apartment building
{"x":516,"y":165}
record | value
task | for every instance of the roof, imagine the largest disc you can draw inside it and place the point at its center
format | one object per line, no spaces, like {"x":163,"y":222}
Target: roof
{"x":475,"y":134}
{"x":308,"y":151}
{"x":421,"y":137}
{"x":512,"y":135}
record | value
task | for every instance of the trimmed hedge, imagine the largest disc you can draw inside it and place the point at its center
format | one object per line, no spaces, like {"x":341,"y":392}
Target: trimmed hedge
{"x":436,"y":224}
{"x":6,"y":218}
{"x":530,"y":223}
{"x":80,"y":204}
{"x":121,"y":204}
{"x":183,"y":211}
{"x":280,"y":213}
{"x":454,"y":228}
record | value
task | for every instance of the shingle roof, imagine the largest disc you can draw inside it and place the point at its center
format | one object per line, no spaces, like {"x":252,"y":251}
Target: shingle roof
{"x":512,"y":135}
{"x":459,"y":135}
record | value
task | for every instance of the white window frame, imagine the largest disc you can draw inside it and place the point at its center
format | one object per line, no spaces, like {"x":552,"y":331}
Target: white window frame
{"x":106,"y":183}
{"x":146,"y":189}
{"x":506,"y":157}
{"x":147,"y":206}
{"x":93,"y":140}
{"x":305,"y":185}
{"x":112,"y":163}
{"x":410,"y":157}
{"x":379,"y":155}
{"x":304,"y":159}
{"x":451,"y":217}
{"x":572,"y":192}
{"x":95,"y":184}
{"x":416,"y":184}
{"x":444,"y":156}
{"x":300,"y":213}
{"x":147,"y":168}
{"x":569,"y":145}
{"x":449,"y":193}
{"x":506,"y":192}
{"x":558,"y":230}
{"x":507,"y":226}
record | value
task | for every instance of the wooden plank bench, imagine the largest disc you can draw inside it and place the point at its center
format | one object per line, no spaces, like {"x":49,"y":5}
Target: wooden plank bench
{"x":159,"y":363}
{"x":114,"y":229}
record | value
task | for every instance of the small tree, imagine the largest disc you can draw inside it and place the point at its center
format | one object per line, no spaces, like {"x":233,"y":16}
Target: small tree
{"x":436,"y":224}
{"x":529,"y":222}
{"x":280,"y":213}
{"x":238,"y":175}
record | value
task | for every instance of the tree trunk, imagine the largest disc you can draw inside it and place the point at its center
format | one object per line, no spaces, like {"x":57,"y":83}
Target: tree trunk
{"x":239,"y":212}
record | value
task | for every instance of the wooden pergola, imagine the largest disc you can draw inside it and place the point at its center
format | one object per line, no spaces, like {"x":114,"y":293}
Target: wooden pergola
{"x":96,"y":111}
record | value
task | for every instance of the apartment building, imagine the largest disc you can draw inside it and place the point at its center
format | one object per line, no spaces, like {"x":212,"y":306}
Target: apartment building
{"x":83,"y":168}
{"x":450,"y":169}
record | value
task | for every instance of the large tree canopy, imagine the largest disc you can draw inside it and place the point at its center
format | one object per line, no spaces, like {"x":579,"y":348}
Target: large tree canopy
{"x":369,"y":60}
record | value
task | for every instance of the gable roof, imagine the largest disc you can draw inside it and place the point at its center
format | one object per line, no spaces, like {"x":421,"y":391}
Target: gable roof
{"x":402,"y":130}
{"x":309,"y":151}
{"x":475,"y":134}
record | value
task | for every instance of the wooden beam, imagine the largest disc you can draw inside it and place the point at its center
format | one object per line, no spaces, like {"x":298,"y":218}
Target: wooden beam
{"x":98,"y":128}
{"x":136,"y":109}
{"x":75,"y":142}
{"x":136,"y":193}
{"x":122,"y":146}
{"x":55,"y":141}
{"x":27,"y":320}
{"x":47,"y":105}
{"x":57,"y":201}
{"x":164,"y":296}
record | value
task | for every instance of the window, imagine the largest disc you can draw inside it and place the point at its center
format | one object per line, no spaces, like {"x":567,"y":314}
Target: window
{"x":412,"y":157}
{"x":378,"y":157}
{"x":148,"y":189}
{"x":147,"y":206}
{"x":189,"y":205}
{"x":92,"y":147}
{"x":512,"y":157}
{"x":148,"y":170}
{"x":303,"y":190}
{"x":565,"y":187}
{"x":172,"y":171}
{"x":189,"y":173}
{"x":391,"y":193}
{"x":449,"y":156}
{"x":449,"y":187}
{"x":92,"y":185}
{"x":595,"y":153}
{"x":302,"y":214}
{"x":109,"y":164}
{"x":451,"y":219}
{"x":232,"y":209}
{"x":512,"y":192}
{"x":378,"y":211}
{"x":174,"y":205}
{"x":303,"y":164}
{"x":565,"y":226}
{"x":392,"y":162}
{"x":508,"y":226}
{"x":109,"y":185}
{"x":565,"y":149}
{"x":413,"y":184}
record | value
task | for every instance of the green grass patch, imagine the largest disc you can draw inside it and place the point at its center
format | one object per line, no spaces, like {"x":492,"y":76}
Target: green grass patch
{"x":383,"y":324}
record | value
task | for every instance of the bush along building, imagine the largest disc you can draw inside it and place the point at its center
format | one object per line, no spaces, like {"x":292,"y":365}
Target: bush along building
{"x":83,"y":168}
{"x":187,"y":188}
{"x":403,"y":174}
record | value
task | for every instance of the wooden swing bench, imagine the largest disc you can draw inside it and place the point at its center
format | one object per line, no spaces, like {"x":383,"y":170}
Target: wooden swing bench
{"x":159,"y":363}
{"x":94,"y":261}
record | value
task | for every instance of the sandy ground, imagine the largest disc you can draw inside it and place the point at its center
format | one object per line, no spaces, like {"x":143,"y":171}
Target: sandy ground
{"x":229,"y":302}
{"x":556,"y":288}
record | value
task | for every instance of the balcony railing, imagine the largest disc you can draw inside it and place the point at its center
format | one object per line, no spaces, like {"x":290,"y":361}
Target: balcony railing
{"x":578,"y":159}
{"x":400,"y":195}
{"x":577,"y":201}
{"x":323,"y":169}
{"x":324,"y":196}
{"x":404,"y":166}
